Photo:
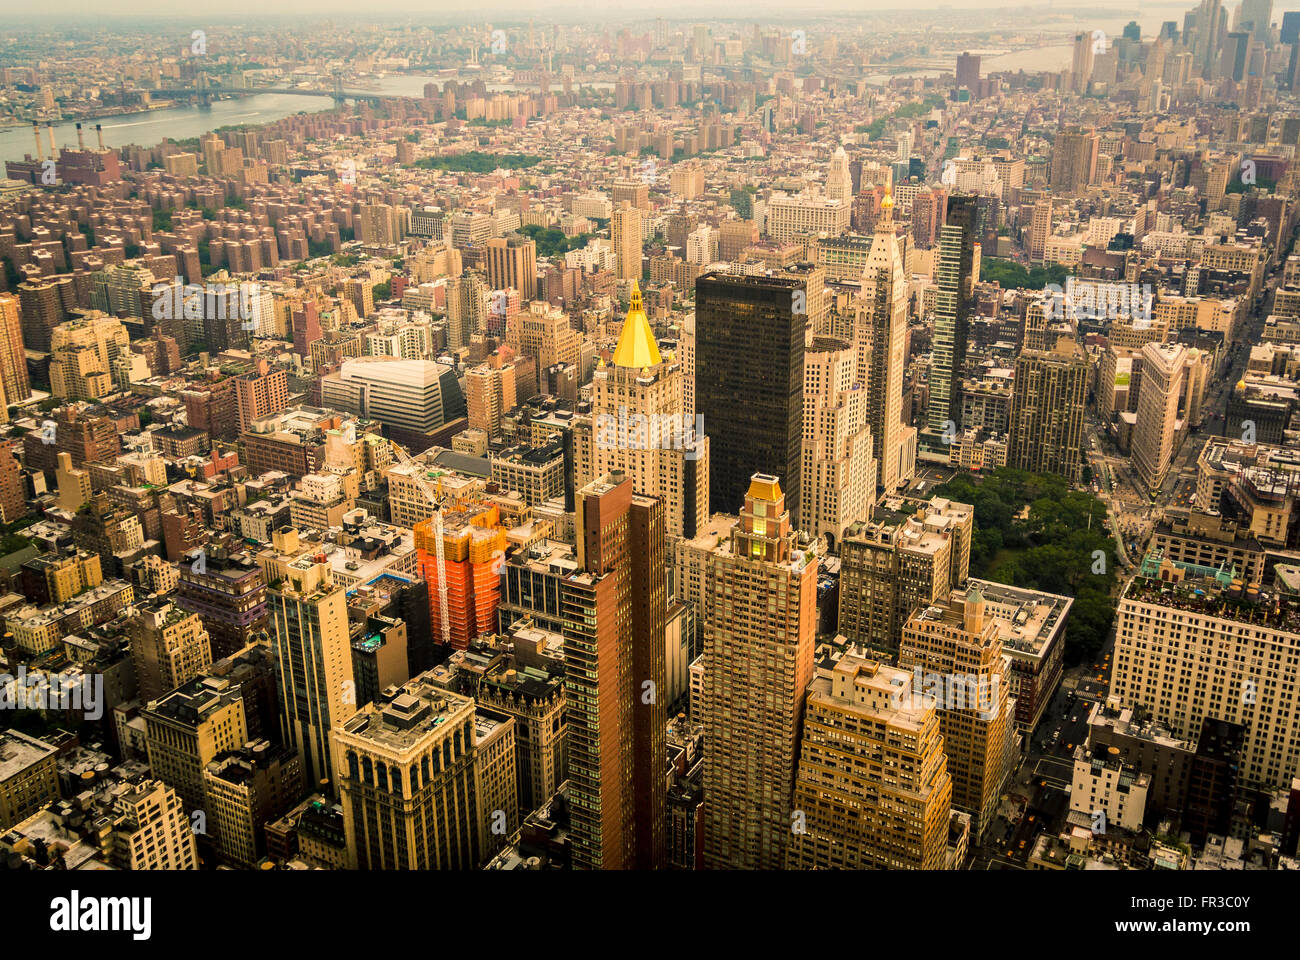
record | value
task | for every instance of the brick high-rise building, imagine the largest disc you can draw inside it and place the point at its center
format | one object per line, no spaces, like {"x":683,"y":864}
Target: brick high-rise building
{"x":212,"y":406}
{"x":378,"y":225}
{"x":78,"y":431}
{"x":1074,"y":160}
{"x":88,"y":357}
{"x":647,"y":560}
{"x":1082,"y":61}
{"x":45,"y":304}
{"x":260,"y":393}
{"x":1155,"y":435}
{"x":879,"y":335}
{"x":13,"y":497}
{"x":13,"y":359}
{"x":29,"y":778}
{"x":512,"y":263}
{"x":313,"y":654}
{"x":734,"y":236}
{"x":839,"y":465}
{"x":968,"y":72}
{"x":639,"y":424}
{"x":229,"y":593}
{"x":1195,"y":643}
{"x":544,"y":332}
{"x":247,"y":789}
{"x":1040,"y":229}
{"x":187,"y":728}
{"x":490,"y":394}
{"x":1214,"y":779}
{"x":427,"y":780}
{"x":170,"y":647}
{"x":615,"y":677}
{"x":873,"y":786}
{"x":305,"y":323}
{"x":897,"y":564}
{"x":152,"y":829}
{"x":759,"y":628}
{"x":929,"y":207}
{"x":954,"y":650}
{"x":521,"y":674}
{"x":625,"y":234}
{"x":634,"y":192}
{"x":1047,"y":411}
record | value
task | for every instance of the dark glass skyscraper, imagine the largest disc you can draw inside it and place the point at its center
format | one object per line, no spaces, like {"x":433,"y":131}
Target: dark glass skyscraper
{"x":1290,"y":27}
{"x":749,"y":382}
{"x":951,"y":324}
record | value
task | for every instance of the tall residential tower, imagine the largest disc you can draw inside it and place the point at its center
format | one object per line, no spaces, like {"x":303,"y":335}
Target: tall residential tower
{"x":759,"y":628}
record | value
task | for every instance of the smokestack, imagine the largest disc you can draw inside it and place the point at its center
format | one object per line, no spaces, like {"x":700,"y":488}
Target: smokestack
{"x":99,"y":132}
{"x":54,"y":151}
{"x":81,"y":139}
{"x":36,"y":131}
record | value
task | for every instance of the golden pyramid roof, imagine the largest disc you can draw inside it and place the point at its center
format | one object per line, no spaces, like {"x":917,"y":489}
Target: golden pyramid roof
{"x":636,"y":344}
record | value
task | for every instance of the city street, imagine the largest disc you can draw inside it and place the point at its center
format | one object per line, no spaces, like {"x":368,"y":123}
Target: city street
{"x":1037,"y":798}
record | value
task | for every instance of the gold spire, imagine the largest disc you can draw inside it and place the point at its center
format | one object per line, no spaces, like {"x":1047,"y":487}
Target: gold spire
{"x":636,"y":344}
{"x":887,"y":205}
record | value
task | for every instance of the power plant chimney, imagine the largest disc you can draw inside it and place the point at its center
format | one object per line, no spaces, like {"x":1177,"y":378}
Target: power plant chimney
{"x":54,"y":151}
{"x":81,"y":139}
{"x":99,"y":131}
{"x":36,"y":131}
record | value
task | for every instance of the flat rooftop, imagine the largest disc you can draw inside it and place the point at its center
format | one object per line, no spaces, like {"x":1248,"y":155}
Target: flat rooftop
{"x":18,"y":751}
{"x":413,"y":715}
{"x":1028,"y":620}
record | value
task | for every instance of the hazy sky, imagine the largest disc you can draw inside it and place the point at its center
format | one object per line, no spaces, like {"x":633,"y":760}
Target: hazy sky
{"x":441,"y":11}
{"x":613,"y":9}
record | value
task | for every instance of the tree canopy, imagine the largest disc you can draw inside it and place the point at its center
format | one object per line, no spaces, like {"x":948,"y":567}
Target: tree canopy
{"x":476,"y":161}
{"x":1052,"y":546}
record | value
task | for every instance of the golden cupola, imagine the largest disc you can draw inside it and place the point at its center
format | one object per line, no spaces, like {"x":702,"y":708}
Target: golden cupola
{"x":887,"y":205}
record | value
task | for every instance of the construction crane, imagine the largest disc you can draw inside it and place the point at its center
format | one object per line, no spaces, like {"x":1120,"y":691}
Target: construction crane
{"x":436,"y":499}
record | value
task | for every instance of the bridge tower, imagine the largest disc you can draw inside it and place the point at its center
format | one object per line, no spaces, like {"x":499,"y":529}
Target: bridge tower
{"x":204,"y":98}
{"x":338,"y":88}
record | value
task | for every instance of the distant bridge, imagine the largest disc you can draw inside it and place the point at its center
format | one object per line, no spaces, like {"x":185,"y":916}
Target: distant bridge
{"x":205,"y":90}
